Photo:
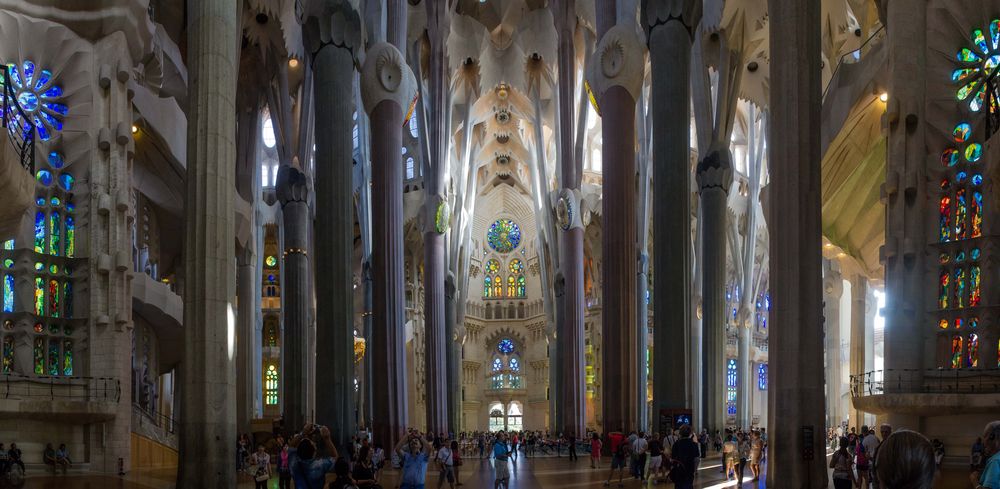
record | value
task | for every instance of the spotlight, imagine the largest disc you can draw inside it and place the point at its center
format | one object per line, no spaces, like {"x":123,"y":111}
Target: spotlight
{"x":135,"y":128}
{"x":292,"y":62}
{"x":884,"y":97}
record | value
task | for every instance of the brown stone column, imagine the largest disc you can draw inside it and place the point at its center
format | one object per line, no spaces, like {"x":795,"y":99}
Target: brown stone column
{"x":208,"y":390}
{"x":293,"y":194}
{"x":387,"y":86}
{"x":795,"y":390}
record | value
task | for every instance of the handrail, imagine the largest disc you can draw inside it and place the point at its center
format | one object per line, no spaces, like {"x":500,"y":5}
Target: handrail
{"x":159,"y":420}
{"x":927,"y":381}
{"x":850,"y":53}
{"x":22,"y":139}
{"x":17,"y":386}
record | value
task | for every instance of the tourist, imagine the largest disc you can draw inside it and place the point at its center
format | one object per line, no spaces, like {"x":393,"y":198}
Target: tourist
{"x":261,"y":462}
{"x":14,"y":457}
{"x":703,"y":441}
{"x":989,"y":478}
{"x":743,"y":452}
{"x":885,"y":429}
{"x":513,"y":446}
{"x":865,"y":446}
{"x":414,"y":460}
{"x":500,"y":456}
{"x":342,"y":470}
{"x":444,"y":458}
{"x":975,"y":459}
{"x":639,"y":448}
{"x":481,"y":442}
{"x":284,"y":469}
{"x":308,"y":470}
{"x":364,"y":474}
{"x":378,"y":457}
{"x":843,"y":466}
{"x":49,"y":456}
{"x":242,"y":452}
{"x":619,"y":456}
{"x":906,"y":461}
{"x":654,"y":460}
{"x":938,"y":451}
{"x":571,"y":447}
{"x":457,"y":457}
{"x":756,"y":453}
{"x":730,"y":454}
{"x":684,"y":459}
{"x":595,"y":450}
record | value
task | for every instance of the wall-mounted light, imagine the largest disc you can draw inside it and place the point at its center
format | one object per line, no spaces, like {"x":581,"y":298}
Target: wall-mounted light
{"x":884,"y":97}
{"x":135,"y":128}
{"x":292,"y":62}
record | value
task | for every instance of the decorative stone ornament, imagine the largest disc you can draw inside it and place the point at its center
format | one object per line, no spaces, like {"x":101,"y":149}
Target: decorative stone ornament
{"x":442,"y":216}
{"x":386,"y":76}
{"x":566,"y":206}
{"x":621,"y":58}
{"x":331,"y":22}
{"x":715,"y":170}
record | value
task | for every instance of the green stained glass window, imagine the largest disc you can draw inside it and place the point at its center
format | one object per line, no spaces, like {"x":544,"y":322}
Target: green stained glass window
{"x":67,"y":357}
{"x":54,"y":357}
{"x":39,"y":232}
{"x":38,"y":355}
{"x":55,"y":231}
{"x":70,"y":237}
{"x":504,"y":235}
{"x":39,"y":296}
{"x":8,"y":293}
{"x":7,"y":360}
{"x":270,"y":261}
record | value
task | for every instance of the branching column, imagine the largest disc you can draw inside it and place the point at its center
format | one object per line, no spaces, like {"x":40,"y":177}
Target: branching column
{"x":796,"y":421}
{"x":208,"y":387}
{"x":333,"y":75}
{"x":668,"y":24}
{"x":293,"y":192}
{"x":387,"y":87}
{"x":616,"y":78}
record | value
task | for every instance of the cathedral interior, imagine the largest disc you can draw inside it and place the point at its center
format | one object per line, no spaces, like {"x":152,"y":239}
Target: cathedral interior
{"x":556,"y":216}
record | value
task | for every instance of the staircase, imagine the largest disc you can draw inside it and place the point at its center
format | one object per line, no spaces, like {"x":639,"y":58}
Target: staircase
{"x":17,"y":159}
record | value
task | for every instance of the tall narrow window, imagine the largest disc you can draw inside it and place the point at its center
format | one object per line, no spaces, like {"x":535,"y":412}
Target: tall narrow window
{"x":956,"y":351}
{"x":53,"y":298}
{"x":39,"y":232}
{"x":70,"y":237}
{"x":39,"y":296}
{"x":271,"y":385}
{"x":38,"y":355}
{"x":521,"y":286}
{"x":511,"y":286}
{"x":67,"y":357}
{"x":976,"y":219}
{"x":55,"y":231}
{"x":974,"y":286}
{"x":8,"y":293}
{"x":497,"y":287}
{"x":487,"y":287}
{"x":762,"y":376}
{"x":944,"y":290}
{"x":731,"y":387}
{"x":67,"y":300}
{"x":972,"y":351}
{"x":54,"y":357}
{"x":7,"y":360}
{"x":960,"y":213}
{"x":410,"y":168}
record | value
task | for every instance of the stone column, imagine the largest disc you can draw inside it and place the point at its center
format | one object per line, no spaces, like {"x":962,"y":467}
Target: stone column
{"x":616,"y":80}
{"x":642,"y":331}
{"x":387,"y":87}
{"x":859,"y":337}
{"x":833,"y":288}
{"x":714,"y":176}
{"x":246,"y":316}
{"x":208,"y":427}
{"x":368,"y":286}
{"x":293,"y":194}
{"x":333,"y":77}
{"x":904,"y":190}
{"x":436,"y":221}
{"x":452,"y":350}
{"x":669,"y":25}
{"x":569,"y":334}
{"x":795,"y":390}
{"x":744,"y":371}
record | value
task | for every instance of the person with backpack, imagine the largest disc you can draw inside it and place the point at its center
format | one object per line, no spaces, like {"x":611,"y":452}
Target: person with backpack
{"x":446,"y":463}
{"x":620,"y":454}
{"x":843,"y":466}
{"x":863,"y":459}
{"x":308,"y":470}
{"x":684,"y":457}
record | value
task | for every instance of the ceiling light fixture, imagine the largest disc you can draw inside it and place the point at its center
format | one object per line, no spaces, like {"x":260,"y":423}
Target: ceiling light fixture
{"x":292,"y":62}
{"x":884,"y":97}
{"x":135,"y":129}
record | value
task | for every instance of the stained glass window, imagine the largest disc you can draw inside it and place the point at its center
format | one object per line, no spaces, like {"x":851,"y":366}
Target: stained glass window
{"x":38,"y":355}
{"x":37,"y":95}
{"x":271,"y":385}
{"x":944,"y":286}
{"x":959,"y":278}
{"x":505,"y":346}
{"x":972,"y":351}
{"x":70,"y":237}
{"x":7,"y":358}
{"x":8,"y":245}
{"x":66,"y":181}
{"x":497,"y":287}
{"x":516,"y":266}
{"x":515,"y":365}
{"x":44,"y":177}
{"x":504,"y":235}
{"x":731,"y":387}
{"x":8,"y":293}
{"x":39,"y":296}
{"x":487,"y":287}
{"x":54,"y":357}
{"x":945,"y":218}
{"x":960,"y":213}
{"x":956,"y":351}
{"x":511,"y":286}
{"x":974,"y":286}
{"x":762,"y":376}
{"x":976,"y":217}
{"x":53,"y":298}
{"x":521,"y":286}
{"x":497,"y":365}
{"x":68,"y":300}
{"x":493,"y":266}
{"x":270,"y":261}
{"x":39,"y":232}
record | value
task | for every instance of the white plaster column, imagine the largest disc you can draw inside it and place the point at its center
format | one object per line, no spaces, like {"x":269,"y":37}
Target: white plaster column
{"x":246,"y":277}
{"x":833,"y":289}
{"x":208,"y":418}
{"x":859,"y":336}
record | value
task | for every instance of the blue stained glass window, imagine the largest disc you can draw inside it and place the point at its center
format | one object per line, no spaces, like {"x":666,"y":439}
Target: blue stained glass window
{"x":8,"y":293}
{"x":55,"y":160}
{"x":40,"y":232}
{"x":40,"y":201}
{"x":515,"y":365}
{"x":731,"y":373}
{"x":44,"y":176}
{"x":37,"y":96}
{"x":497,"y":365}
{"x":504,"y":235}
{"x":66,"y":181}
{"x":506,"y":346}
{"x":731,"y":387}
{"x":762,"y":376}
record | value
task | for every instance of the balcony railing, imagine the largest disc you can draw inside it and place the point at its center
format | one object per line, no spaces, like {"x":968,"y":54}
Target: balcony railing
{"x":992,"y":105}
{"x":22,"y":135}
{"x":165,"y":423}
{"x":102,"y":389}
{"x":931,"y":381}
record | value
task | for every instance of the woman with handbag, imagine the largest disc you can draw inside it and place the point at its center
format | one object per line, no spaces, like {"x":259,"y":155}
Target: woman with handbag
{"x":262,"y":467}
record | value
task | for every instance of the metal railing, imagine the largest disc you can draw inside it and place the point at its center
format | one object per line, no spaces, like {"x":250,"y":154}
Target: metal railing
{"x":164,"y":422}
{"x":23,"y":138}
{"x":992,"y":105}
{"x":930,"y":381}
{"x":16,"y":386}
{"x":855,"y":55}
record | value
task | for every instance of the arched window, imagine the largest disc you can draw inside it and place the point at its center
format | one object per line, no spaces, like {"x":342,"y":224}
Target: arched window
{"x":762,"y":376}
{"x":492,"y":283}
{"x":972,"y":351}
{"x":497,"y":287}
{"x":487,"y":287}
{"x":521,"y":286}
{"x":497,"y":379}
{"x":514,"y":365}
{"x":956,"y":351}
{"x":511,"y":286}
{"x":271,"y":334}
{"x":7,"y":358}
{"x":496,"y":417}
{"x":731,"y":387}
{"x":410,"y":168}
{"x":271,"y":385}
{"x":515,"y":417}
{"x":8,"y":293}
{"x":267,"y":132}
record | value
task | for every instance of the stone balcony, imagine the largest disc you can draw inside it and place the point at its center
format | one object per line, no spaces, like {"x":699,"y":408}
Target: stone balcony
{"x":80,"y":400}
{"x":927,"y":392}
{"x":163,"y":309}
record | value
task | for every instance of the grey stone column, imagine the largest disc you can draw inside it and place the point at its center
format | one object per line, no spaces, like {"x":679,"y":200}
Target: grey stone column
{"x":906,"y":208}
{"x":833,"y":288}
{"x":387,"y":86}
{"x":795,"y":391}
{"x":333,"y":75}
{"x":293,"y":195}
{"x":569,"y":334}
{"x":208,"y":427}
{"x":714,"y":176}
{"x":859,"y":337}
{"x":669,"y":24}
{"x":642,"y":330}
{"x":246,"y":318}
{"x":452,"y":350}
{"x":366,"y":317}
{"x":615,"y":77}
{"x":744,"y":373}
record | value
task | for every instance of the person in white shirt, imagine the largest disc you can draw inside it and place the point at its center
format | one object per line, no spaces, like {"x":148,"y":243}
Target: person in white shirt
{"x":446,"y":463}
{"x":639,"y":447}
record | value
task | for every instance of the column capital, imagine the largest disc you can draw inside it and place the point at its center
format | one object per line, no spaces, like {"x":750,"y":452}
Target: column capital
{"x":621,"y":60}
{"x":245,"y":255}
{"x":291,"y":185}
{"x":566,"y":205}
{"x":386,"y":76}
{"x":331,"y":23}
{"x":715,"y":170}
{"x":657,"y":13}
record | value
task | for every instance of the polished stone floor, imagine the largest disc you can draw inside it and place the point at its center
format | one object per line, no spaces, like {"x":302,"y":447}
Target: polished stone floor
{"x":541,"y":473}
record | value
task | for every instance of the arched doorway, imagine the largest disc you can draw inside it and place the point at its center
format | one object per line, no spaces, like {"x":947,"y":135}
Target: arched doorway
{"x":497,"y":417}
